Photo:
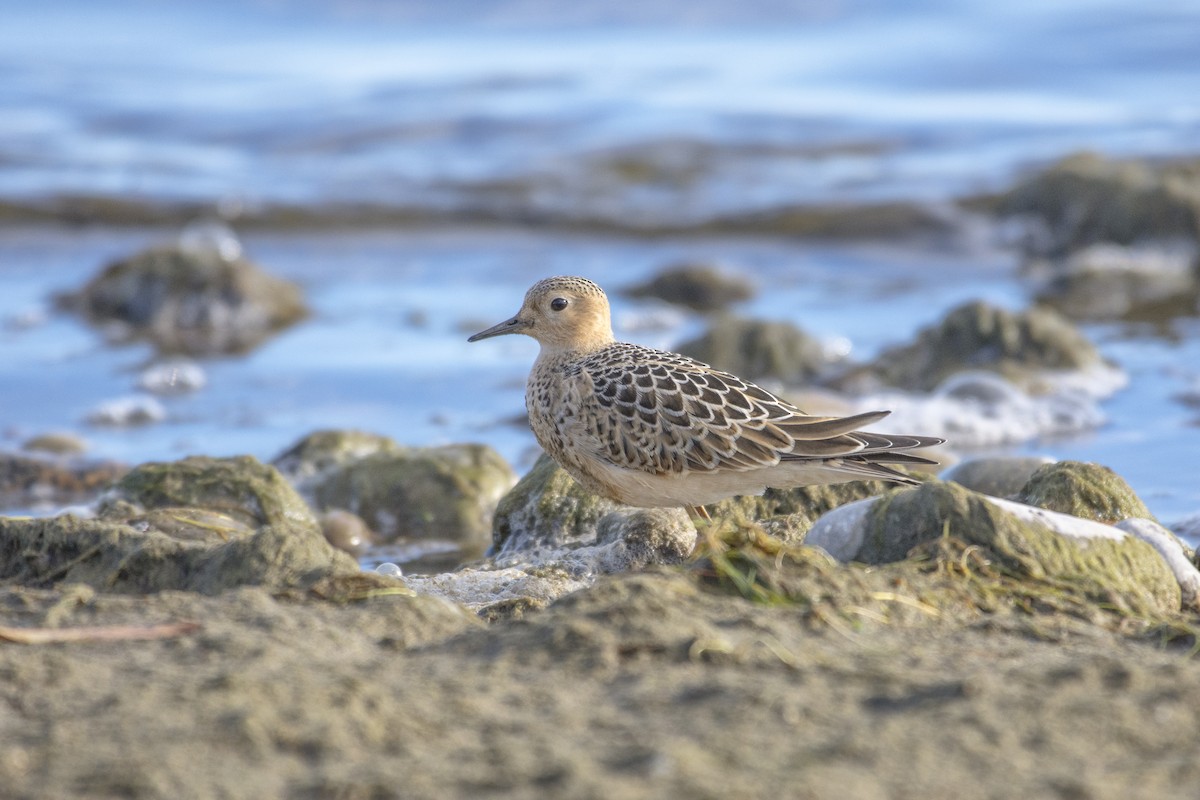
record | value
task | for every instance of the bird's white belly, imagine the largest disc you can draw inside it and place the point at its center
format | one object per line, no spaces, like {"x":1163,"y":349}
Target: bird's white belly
{"x":647,"y":490}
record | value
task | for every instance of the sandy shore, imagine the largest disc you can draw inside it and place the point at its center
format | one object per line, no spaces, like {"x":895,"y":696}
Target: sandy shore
{"x":642,"y":686}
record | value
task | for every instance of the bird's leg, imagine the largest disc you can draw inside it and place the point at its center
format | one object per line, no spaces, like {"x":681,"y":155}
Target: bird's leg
{"x":701,"y":512}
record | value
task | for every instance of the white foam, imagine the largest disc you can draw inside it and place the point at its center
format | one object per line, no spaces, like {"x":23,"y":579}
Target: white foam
{"x":124,"y":412}
{"x":982,"y":409}
{"x":176,"y":376}
{"x":210,"y":236}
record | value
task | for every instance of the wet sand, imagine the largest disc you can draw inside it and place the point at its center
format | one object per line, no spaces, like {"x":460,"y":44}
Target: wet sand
{"x":642,"y":686}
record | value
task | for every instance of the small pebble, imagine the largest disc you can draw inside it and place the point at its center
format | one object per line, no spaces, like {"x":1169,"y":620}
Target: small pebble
{"x":345,"y":531}
{"x":61,"y":444}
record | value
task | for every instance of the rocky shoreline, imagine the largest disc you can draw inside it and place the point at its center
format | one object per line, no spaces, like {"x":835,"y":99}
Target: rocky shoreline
{"x":200,"y":637}
{"x":1010,"y":627}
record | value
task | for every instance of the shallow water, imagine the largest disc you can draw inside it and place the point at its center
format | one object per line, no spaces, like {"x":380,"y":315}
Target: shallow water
{"x":421,"y":102}
{"x":448,"y":106}
{"x":386,"y":347}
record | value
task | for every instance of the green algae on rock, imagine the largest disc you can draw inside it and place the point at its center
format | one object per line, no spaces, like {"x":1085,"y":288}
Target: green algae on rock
{"x":309,"y":460}
{"x":1026,"y":348}
{"x":200,"y":524}
{"x":758,"y":349}
{"x":1087,"y":198}
{"x":190,"y":301}
{"x":700,"y":287}
{"x":548,"y":509}
{"x":448,"y":492}
{"x":1099,"y":565}
{"x":56,"y":443}
{"x":1090,"y":491}
{"x":998,"y":476}
{"x":30,"y":480}
{"x":552,"y":537}
{"x":1107,"y":281}
{"x":223,"y":539}
{"x":250,"y":492}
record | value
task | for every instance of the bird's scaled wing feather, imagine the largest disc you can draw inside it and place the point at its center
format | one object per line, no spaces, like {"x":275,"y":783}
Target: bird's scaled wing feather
{"x":670,"y":414}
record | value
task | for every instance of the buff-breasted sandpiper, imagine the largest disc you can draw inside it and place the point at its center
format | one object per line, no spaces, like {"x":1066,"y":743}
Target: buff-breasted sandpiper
{"x":656,"y":429}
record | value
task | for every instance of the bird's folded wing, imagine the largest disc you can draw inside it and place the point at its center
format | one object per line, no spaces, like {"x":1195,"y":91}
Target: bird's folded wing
{"x":669,"y":414}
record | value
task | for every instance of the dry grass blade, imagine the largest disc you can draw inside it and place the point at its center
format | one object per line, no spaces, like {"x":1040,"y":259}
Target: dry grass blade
{"x":97,"y":633}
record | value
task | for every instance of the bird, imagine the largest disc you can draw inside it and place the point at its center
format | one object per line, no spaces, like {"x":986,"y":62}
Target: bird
{"x":657,"y":429}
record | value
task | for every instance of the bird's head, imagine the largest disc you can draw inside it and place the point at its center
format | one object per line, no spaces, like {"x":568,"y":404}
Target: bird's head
{"x":563,"y":313}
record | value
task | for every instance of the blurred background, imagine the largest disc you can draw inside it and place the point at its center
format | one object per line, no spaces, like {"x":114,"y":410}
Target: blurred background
{"x":858,"y":169}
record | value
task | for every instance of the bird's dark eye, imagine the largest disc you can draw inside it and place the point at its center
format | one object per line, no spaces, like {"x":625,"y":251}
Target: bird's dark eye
{"x":558,"y":303}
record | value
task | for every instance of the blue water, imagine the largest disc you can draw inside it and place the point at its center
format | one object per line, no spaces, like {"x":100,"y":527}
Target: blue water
{"x":443,"y":105}
{"x":246,"y":102}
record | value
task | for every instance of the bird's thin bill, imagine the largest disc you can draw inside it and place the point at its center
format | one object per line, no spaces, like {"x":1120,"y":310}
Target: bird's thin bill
{"x":514,"y":325}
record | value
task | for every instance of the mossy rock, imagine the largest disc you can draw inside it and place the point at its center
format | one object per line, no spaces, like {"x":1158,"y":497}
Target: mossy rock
{"x":248,"y":491}
{"x":888,"y":221}
{"x":317,"y":454}
{"x":548,"y":508}
{"x":791,"y":512}
{"x":146,"y":556}
{"x":1086,"y":198}
{"x":998,"y":476}
{"x":191,"y":301}
{"x":758,"y":349}
{"x":1120,"y":571}
{"x":1090,"y":491}
{"x":27,"y":480}
{"x":200,"y":524}
{"x":1021,"y":347}
{"x":1106,"y":282}
{"x":446,"y":492}
{"x":700,"y":287}
{"x":58,"y":444}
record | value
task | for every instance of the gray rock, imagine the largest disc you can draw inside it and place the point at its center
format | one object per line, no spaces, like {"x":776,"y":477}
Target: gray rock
{"x":700,"y":287}
{"x":631,"y":539}
{"x":318,"y":454}
{"x":446,"y":493}
{"x":59,"y":444}
{"x":1039,"y":547}
{"x":203,"y":525}
{"x":757,"y":349}
{"x":241,"y":488}
{"x":1082,"y":490}
{"x":547,"y":510}
{"x":345,"y":531}
{"x":519,"y":580}
{"x":1085,"y":199}
{"x":1022,"y":347}
{"x":1106,"y":281}
{"x":190,"y":301}
{"x":42,"y":480}
{"x":998,"y":476}
{"x":1173,"y":552}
